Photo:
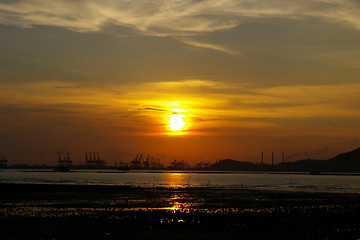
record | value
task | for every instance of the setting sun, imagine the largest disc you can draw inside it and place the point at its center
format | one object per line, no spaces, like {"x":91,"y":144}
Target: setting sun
{"x":176,"y":122}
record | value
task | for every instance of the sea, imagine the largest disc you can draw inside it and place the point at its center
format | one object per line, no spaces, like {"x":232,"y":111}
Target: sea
{"x":330,"y":182}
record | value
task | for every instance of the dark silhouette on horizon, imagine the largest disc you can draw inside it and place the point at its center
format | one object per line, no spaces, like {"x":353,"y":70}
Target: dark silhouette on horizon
{"x":348,"y":162}
{"x":344,"y":162}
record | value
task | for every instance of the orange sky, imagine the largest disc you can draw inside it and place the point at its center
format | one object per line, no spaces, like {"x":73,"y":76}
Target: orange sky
{"x":248,"y":77}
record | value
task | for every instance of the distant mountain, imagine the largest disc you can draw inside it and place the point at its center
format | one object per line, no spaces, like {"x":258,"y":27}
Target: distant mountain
{"x":307,"y":165}
{"x":348,"y":162}
{"x":345,"y":162}
{"x":232,"y":165}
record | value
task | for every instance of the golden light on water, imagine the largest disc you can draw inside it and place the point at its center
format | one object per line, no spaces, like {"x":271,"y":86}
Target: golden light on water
{"x":175,"y":179}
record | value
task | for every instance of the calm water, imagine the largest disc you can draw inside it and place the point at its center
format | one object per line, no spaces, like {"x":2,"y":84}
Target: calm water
{"x":306,"y":182}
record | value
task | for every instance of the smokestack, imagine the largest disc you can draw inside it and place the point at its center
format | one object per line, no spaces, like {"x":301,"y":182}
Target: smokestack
{"x":59,"y":156}
{"x":272,"y":158}
{"x":86,"y":157}
{"x":94,"y":156}
{"x":68,"y":156}
{"x":98,"y":156}
{"x":262,"y":158}
{"x":282,"y":157}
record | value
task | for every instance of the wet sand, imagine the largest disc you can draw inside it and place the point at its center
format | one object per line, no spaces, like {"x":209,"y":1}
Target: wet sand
{"x":30,"y":211}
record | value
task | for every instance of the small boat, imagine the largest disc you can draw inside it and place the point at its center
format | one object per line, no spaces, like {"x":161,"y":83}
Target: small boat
{"x":62,"y":169}
{"x":123,"y":168}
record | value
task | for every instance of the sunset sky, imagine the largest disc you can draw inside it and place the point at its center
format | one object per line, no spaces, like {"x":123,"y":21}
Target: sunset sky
{"x":247,"y":76}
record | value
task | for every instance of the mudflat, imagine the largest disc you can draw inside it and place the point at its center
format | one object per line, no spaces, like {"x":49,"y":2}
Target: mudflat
{"x":60,"y":211}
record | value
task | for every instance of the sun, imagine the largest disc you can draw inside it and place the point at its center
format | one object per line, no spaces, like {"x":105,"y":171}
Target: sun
{"x":176,"y":122}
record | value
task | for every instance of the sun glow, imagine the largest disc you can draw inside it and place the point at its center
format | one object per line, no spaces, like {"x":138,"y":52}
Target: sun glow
{"x":176,"y":122}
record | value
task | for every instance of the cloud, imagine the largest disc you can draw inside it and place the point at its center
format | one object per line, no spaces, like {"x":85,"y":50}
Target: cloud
{"x":9,"y":109}
{"x":62,"y":108}
{"x":180,"y":19}
{"x":66,"y":87}
{"x":208,"y":105}
{"x":170,"y":17}
{"x":76,"y":105}
{"x":210,"y":46}
{"x":153,"y":109}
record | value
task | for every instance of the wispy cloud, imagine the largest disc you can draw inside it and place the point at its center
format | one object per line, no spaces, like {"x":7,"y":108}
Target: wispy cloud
{"x":211,"y":46}
{"x":170,"y":17}
{"x":180,"y":19}
{"x":156,"y":109}
{"x":232,"y":108}
{"x":204,"y":94}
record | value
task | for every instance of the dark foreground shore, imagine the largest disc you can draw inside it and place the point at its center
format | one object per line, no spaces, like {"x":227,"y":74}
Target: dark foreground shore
{"x":30,"y":211}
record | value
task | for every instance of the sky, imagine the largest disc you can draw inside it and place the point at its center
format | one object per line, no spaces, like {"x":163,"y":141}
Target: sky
{"x":247,"y":77}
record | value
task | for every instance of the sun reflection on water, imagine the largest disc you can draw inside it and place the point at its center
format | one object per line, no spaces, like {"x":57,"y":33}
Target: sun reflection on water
{"x":177,"y":180}
{"x":179,"y":200}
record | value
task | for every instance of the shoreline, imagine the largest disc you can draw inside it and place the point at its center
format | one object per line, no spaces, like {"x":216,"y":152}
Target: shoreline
{"x":111,"y":212}
{"x":70,"y":185}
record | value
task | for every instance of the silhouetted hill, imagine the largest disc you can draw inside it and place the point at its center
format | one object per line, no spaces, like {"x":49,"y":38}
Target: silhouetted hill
{"x":345,"y":162}
{"x":307,"y":165}
{"x":232,"y":165}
